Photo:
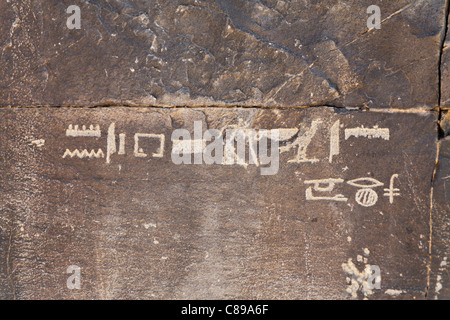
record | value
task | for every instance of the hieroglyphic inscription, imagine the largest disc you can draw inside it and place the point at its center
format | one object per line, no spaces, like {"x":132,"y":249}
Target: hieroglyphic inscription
{"x":112,"y":184}
{"x":243,"y":146}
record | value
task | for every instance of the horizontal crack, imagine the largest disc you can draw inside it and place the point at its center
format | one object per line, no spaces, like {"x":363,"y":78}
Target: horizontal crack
{"x":124,"y":105}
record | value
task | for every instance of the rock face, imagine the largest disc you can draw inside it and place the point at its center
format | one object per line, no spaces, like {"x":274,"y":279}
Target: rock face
{"x":439,"y":286}
{"x":199,"y":149}
{"x":445,"y":73}
{"x":349,"y":192}
{"x":227,"y":52}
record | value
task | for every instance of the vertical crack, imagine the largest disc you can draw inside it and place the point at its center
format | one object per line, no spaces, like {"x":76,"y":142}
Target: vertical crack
{"x":430,"y":241}
{"x":441,"y":53}
{"x":441,"y":135}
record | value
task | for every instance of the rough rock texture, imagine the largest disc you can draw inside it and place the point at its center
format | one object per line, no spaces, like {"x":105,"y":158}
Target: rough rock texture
{"x":439,"y":272}
{"x":223,"y":52}
{"x":445,"y":123}
{"x":440,"y":279}
{"x":143,"y":227}
{"x":360,"y":195}
{"x":445,"y":71}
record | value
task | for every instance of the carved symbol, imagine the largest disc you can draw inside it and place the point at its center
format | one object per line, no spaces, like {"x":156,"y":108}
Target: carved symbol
{"x":302,"y":142}
{"x":382,"y":133}
{"x":84,"y":154}
{"x":366,"y":197}
{"x":139,"y":152}
{"x":83,"y":132}
{"x":334,"y":140}
{"x":111,"y":142}
{"x":329,"y":186}
{"x":111,"y":147}
{"x":392,"y":192}
{"x":75,"y":131}
{"x":122,"y":143}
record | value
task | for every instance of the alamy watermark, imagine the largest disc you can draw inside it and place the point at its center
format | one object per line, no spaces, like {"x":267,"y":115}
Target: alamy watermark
{"x":74,"y":280}
{"x":364,"y":281}
{"x":74,"y":21}
{"x":233,"y":146}
{"x":374,"y":21}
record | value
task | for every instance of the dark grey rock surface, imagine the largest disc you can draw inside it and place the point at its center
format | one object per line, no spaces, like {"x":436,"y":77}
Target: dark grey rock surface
{"x":227,"y":52}
{"x":440,"y":279}
{"x":146,"y":228}
{"x":360,"y":188}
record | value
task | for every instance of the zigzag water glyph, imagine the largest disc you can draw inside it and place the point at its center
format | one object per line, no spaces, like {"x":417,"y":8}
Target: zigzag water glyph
{"x":84,"y":154}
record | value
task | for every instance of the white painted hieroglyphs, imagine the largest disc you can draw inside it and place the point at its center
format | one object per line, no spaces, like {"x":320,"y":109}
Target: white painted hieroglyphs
{"x":111,"y":142}
{"x":230,"y":147}
{"x":139,"y":152}
{"x":392,"y":191}
{"x":75,"y":131}
{"x":329,"y":185}
{"x":245,"y":146}
{"x":84,"y":153}
{"x":302,"y":142}
{"x":122,"y":137}
{"x":111,"y":146}
{"x":334,"y":140}
{"x":234,"y":140}
{"x":366,"y":196}
{"x":370,"y":133}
